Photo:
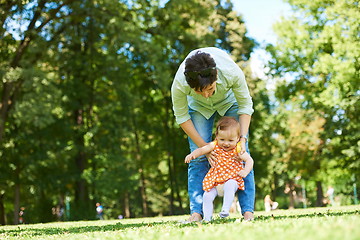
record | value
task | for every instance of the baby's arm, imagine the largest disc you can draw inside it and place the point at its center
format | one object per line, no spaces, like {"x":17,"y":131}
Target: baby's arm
{"x":200,"y":151}
{"x":249,"y":163}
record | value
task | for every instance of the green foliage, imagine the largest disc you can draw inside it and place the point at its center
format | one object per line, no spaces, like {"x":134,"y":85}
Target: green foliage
{"x":316,"y":62}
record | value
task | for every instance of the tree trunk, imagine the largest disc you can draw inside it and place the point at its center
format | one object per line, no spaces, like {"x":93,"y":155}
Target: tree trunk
{"x":319,"y":194}
{"x":143,"y":193}
{"x":2,"y":210}
{"x":141,"y":171}
{"x":82,"y":203}
{"x":16,"y":193}
{"x":171,"y":210}
{"x":4,"y":107}
{"x":176,"y":187}
{"x":273,"y":186}
{"x":16,"y":203}
{"x":126,"y":205}
{"x":80,"y":191}
{"x":170,"y":165}
{"x":289,"y":189}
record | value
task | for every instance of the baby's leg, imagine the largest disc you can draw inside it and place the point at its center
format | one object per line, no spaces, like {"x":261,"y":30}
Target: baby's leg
{"x":230,"y":188}
{"x":208,"y":203}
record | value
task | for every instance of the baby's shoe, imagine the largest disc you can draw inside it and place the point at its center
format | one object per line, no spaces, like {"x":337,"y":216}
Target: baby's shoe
{"x":223,"y":214}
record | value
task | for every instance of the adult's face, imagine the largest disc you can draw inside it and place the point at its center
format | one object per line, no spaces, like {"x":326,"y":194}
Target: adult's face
{"x":208,"y":91}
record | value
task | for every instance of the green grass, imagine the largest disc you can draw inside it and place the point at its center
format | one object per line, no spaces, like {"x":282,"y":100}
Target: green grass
{"x":313,"y":223}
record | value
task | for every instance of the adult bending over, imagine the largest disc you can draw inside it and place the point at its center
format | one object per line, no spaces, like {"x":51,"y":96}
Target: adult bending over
{"x":207,"y":85}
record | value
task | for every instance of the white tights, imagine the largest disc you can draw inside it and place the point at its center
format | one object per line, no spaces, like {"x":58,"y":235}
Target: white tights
{"x":230,"y":188}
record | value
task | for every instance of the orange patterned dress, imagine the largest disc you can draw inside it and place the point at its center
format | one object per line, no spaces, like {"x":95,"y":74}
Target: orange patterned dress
{"x":227,"y":167}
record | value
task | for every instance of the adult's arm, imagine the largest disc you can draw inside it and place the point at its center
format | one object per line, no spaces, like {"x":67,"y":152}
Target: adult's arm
{"x":241,"y":92}
{"x":179,"y":94}
{"x":244,"y":120}
{"x":244,"y":100}
{"x":181,"y":111}
{"x":190,"y":130}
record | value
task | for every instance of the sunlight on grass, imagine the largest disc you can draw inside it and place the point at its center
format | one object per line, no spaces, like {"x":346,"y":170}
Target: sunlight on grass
{"x":312,"y":223}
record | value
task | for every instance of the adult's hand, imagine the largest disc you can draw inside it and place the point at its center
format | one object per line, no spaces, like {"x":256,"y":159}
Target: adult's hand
{"x":212,"y":158}
{"x":243,"y":173}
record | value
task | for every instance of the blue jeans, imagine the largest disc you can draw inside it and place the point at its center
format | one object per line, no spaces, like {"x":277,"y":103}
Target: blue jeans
{"x":198,"y":167}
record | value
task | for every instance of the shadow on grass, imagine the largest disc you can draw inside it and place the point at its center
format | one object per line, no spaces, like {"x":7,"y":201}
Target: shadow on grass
{"x":32,"y":232}
{"x":311,"y":215}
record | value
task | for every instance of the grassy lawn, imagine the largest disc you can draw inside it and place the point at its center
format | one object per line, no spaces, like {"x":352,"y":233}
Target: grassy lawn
{"x":313,"y":223}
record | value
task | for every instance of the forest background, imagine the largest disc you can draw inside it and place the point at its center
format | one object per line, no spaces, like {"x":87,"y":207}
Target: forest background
{"x":86,"y":113}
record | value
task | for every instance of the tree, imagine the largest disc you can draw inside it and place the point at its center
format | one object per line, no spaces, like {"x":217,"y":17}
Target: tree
{"x":318,"y":48}
{"x":20,"y":51}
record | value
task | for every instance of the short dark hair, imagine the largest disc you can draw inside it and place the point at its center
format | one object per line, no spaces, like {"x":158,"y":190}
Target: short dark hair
{"x":200,"y":70}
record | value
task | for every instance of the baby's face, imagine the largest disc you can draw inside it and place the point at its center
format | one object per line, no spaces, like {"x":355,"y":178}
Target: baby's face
{"x":227,"y":139}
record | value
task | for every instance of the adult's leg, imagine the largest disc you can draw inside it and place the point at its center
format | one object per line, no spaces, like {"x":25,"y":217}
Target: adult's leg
{"x":230,"y":188}
{"x":246,"y":197}
{"x":198,"y":167}
{"x":208,"y":204}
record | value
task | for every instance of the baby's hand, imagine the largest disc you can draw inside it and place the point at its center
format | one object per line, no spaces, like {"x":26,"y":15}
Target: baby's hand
{"x":189,"y":157}
{"x":243,"y":173}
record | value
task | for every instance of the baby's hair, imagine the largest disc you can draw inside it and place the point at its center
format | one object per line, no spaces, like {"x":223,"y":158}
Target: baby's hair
{"x":225,"y":123}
